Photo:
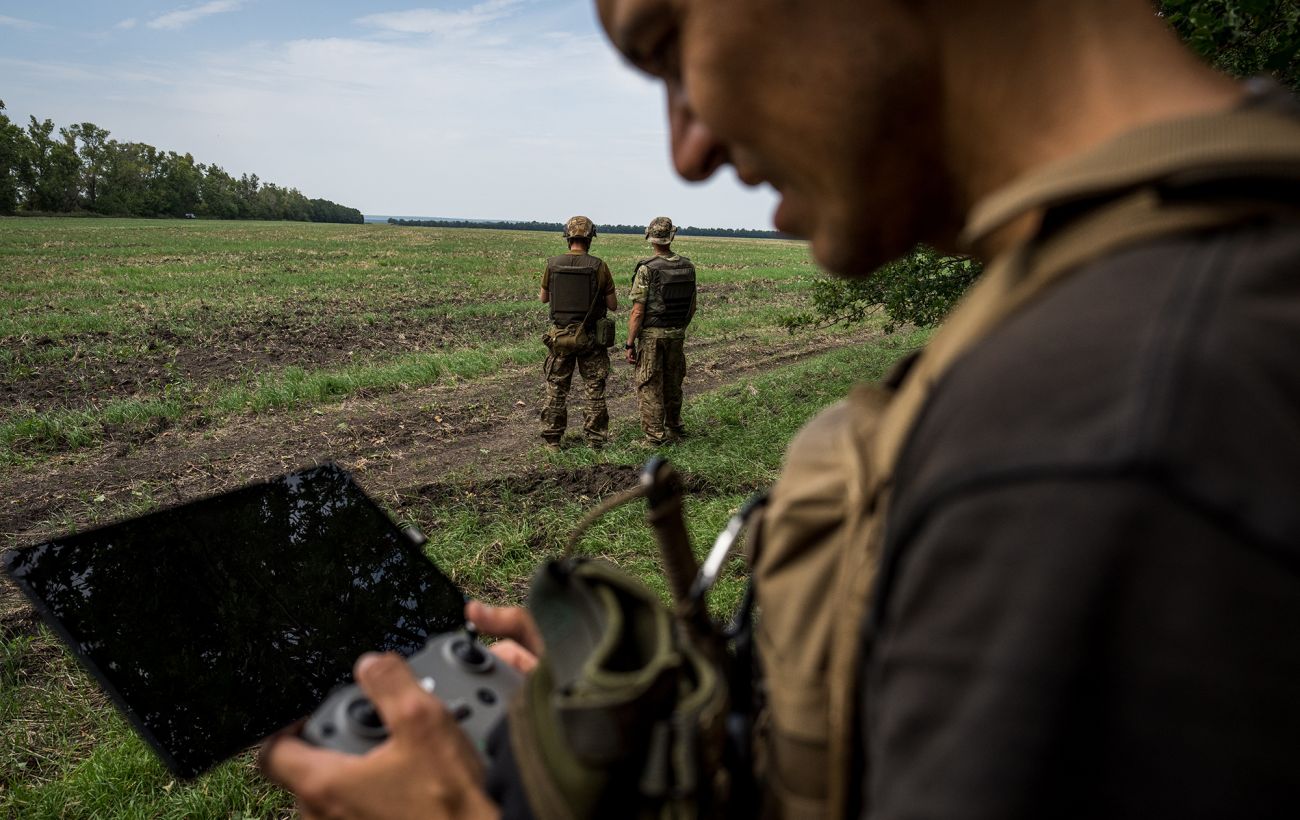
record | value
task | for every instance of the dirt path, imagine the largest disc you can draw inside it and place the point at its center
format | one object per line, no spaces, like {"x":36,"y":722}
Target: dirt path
{"x":394,"y":442}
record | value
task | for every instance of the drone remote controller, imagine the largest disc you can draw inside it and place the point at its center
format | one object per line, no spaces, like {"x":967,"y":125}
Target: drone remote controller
{"x":475,"y":685}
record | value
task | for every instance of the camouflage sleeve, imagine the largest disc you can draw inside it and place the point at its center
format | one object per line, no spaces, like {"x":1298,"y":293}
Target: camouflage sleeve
{"x":639,"y":285}
{"x":546,"y":277}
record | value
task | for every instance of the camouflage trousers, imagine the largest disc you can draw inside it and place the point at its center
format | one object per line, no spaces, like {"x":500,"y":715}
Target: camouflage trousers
{"x":660,"y":369}
{"x":593,"y":365}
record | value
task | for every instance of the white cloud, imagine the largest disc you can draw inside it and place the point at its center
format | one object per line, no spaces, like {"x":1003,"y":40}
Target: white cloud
{"x":25,"y":25}
{"x":37,"y":71}
{"x":438,"y":21}
{"x":476,"y":127}
{"x":128,"y":23}
{"x":185,"y":16}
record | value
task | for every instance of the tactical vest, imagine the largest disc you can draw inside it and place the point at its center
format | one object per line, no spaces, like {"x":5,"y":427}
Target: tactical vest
{"x":817,"y":566}
{"x":575,"y":289}
{"x":670,"y":290}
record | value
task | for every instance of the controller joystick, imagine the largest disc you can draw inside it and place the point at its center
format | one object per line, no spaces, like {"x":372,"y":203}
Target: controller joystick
{"x":473,"y":684}
{"x":364,"y":718}
{"x":471,"y":654}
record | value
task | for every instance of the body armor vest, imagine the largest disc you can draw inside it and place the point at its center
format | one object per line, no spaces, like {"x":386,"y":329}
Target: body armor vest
{"x":575,"y":283}
{"x":670,"y":290}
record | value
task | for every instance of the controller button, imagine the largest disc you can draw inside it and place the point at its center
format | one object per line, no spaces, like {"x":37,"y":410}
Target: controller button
{"x":486,"y":696}
{"x":428,"y":684}
{"x":460,"y":710}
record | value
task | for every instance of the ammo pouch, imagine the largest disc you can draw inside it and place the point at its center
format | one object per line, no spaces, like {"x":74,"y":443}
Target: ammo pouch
{"x":604,"y":332}
{"x":626,"y":713}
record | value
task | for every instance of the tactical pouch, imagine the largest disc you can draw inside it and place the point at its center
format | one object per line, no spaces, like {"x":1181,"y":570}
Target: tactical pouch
{"x":564,"y":341}
{"x":625,"y":715}
{"x":604,"y":332}
{"x":619,"y":711}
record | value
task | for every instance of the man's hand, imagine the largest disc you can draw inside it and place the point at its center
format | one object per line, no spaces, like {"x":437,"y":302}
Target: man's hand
{"x":521,"y":642}
{"x":426,"y":767}
{"x":631,"y":355}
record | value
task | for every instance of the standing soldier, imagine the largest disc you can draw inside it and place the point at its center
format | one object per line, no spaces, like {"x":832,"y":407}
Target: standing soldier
{"x":580,"y":289}
{"x":663,"y":302}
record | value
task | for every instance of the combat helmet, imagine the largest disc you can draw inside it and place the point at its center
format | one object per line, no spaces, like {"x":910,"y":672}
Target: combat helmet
{"x":661,"y":231}
{"x":579,"y":227}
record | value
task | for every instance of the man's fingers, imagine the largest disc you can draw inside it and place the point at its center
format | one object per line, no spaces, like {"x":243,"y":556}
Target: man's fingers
{"x":506,"y":622}
{"x":306,"y":812}
{"x":295,"y":764}
{"x":404,"y":707}
{"x":514,"y":656}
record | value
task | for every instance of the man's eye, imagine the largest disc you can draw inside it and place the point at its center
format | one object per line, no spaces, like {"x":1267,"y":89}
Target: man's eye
{"x":670,"y":60}
{"x":661,"y":58}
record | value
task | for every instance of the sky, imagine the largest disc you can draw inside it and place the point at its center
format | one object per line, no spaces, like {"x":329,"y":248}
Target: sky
{"x":472,"y":109}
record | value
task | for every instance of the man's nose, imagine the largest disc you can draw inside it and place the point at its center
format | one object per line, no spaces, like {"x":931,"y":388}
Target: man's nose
{"x":697,"y":153}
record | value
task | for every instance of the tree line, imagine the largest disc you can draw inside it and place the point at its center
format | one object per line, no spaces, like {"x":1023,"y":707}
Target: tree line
{"x":79,"y":169}
{"x":558,"y":227}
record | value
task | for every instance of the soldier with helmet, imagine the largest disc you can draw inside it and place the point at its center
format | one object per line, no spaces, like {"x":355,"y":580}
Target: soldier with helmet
{"x":663,"y":303}
{"x":580,"y":291}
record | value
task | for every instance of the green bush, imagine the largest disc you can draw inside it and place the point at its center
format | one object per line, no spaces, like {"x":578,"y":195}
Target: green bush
{"x":918,"y":289}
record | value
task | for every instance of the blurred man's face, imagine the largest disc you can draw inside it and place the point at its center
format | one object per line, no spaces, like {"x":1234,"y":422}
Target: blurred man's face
{"x":832,"y":102}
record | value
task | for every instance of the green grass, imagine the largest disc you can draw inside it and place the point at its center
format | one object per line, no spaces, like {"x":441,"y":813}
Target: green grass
{"x":113,"y":328}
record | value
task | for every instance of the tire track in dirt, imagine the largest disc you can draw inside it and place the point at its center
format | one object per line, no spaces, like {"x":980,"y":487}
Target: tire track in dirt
{"x":483,"y":430}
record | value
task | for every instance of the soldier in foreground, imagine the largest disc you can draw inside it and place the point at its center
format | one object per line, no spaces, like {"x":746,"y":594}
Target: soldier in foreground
{"x":663,"y":304}
{"x":580,"y":290}
{"x":1081,"y":499}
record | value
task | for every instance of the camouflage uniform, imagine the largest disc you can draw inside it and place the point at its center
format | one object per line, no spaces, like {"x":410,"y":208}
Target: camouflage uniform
{"x":592,"y":363}
{"x":661,"y":357}
{"x":660,"y":370}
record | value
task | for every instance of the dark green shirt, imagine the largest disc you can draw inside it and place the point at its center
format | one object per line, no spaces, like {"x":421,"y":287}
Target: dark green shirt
{"x":1090,"y":597}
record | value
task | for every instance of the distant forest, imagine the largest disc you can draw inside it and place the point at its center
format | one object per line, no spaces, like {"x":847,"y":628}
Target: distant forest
{"x":558,"y":227}
{"x":81,"y":170}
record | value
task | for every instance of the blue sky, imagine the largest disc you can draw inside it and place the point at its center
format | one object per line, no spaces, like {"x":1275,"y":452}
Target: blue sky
{"x":509,"y":109}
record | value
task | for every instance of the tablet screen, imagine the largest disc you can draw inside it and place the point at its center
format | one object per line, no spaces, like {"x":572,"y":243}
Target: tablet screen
{"x":216,"y":623}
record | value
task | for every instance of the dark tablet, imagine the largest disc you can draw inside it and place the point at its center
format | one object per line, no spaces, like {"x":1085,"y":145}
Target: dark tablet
{"x":215,"y":623}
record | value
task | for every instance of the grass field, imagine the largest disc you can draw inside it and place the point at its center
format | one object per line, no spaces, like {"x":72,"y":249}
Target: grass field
{"x":114,"y":328}
{"x":148,"y":362}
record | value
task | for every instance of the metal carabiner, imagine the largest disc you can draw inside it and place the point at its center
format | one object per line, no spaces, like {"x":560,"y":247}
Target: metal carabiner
{"x":723,"y":546}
